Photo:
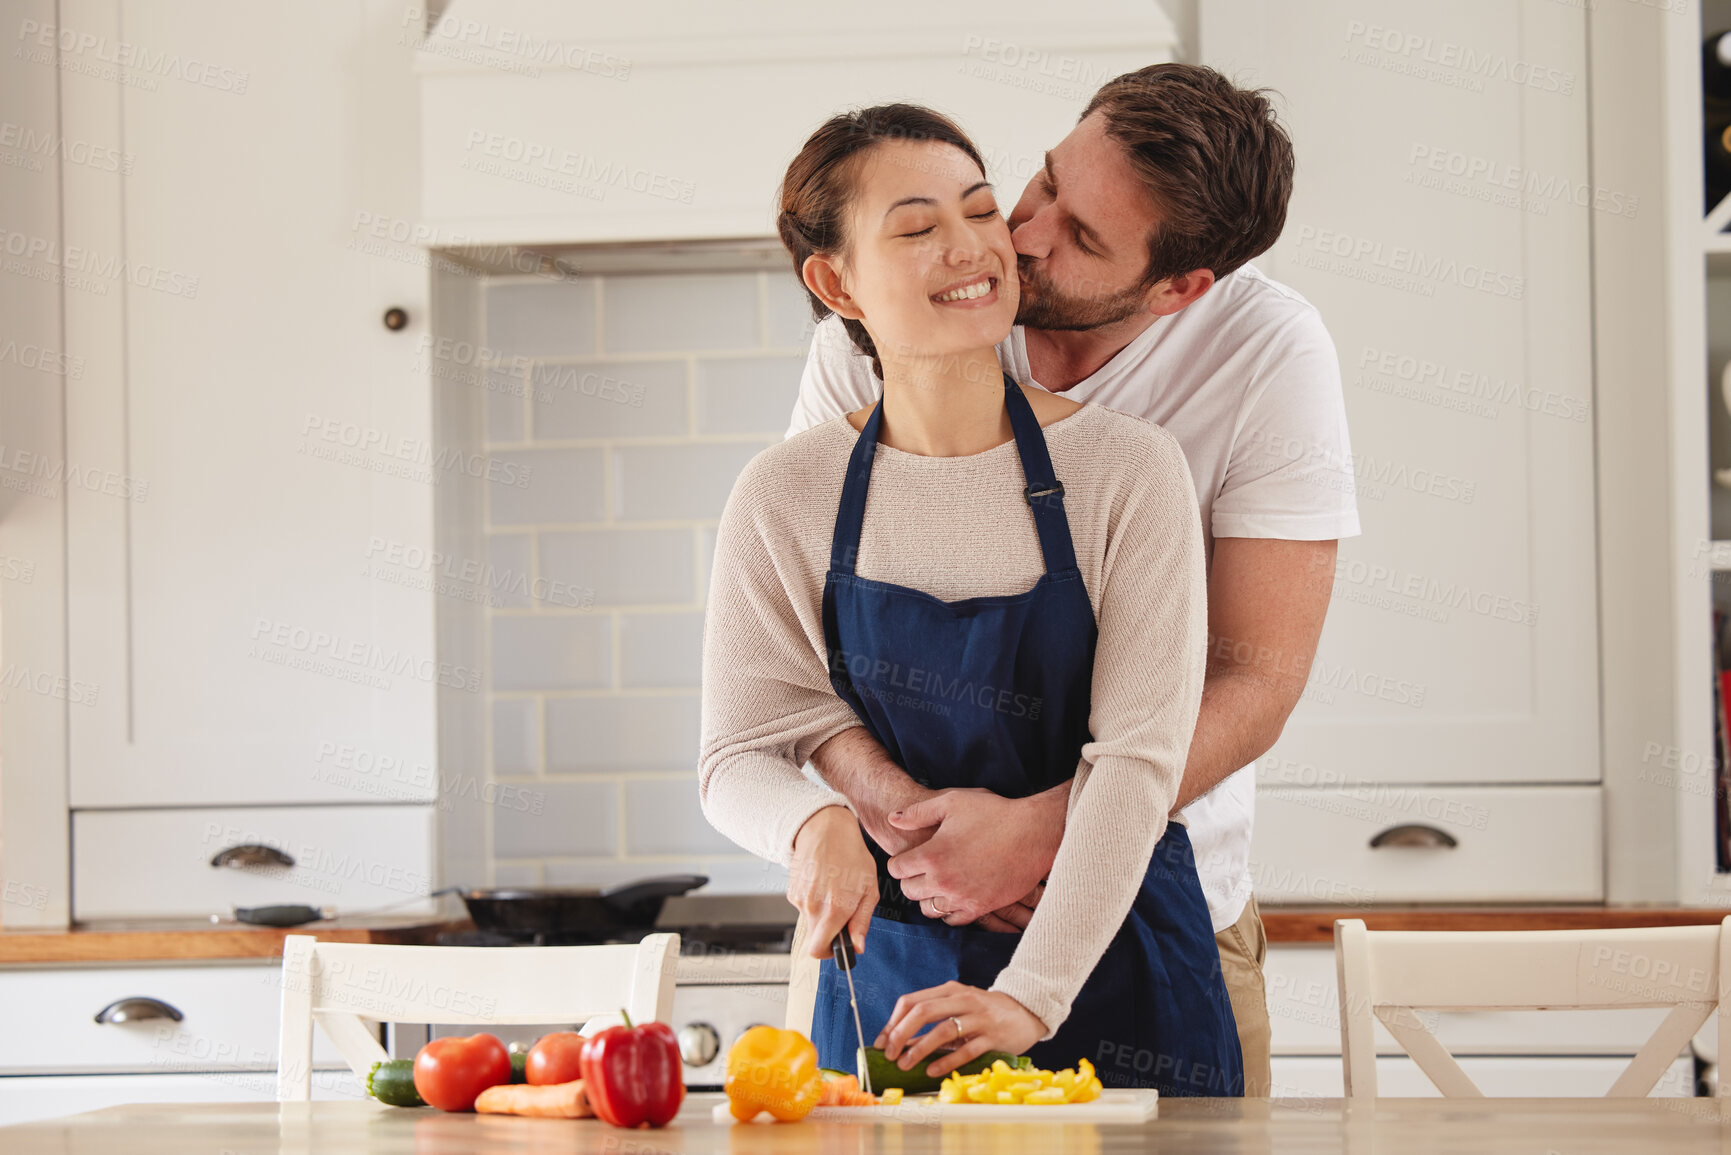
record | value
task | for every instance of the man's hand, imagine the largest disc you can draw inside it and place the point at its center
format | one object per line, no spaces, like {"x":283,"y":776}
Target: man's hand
{"x":987,"y":852}
{"x":856,"y":766}
{"x":1013,"y":919}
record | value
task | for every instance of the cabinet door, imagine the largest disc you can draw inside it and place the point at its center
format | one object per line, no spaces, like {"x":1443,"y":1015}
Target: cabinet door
{"x":1441,"y":224}
{"x":253,"y":443}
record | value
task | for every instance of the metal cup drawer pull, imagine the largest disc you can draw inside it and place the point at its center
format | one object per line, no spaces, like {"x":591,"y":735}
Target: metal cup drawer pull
{"x":137,"y":1009}
{"x":1414,"y":834}
{"x":251,"y":855}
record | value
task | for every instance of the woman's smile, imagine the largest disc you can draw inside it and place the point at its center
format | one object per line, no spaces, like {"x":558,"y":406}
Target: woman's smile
{"x":978,"y":291}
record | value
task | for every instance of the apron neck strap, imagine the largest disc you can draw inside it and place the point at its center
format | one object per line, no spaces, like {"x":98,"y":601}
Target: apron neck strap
{"x":1044,"y":492}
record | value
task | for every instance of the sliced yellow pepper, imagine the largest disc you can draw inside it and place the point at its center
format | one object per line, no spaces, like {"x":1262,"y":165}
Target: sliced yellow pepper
{"x":775,"y":1071}
{"x":1004,"y":1084}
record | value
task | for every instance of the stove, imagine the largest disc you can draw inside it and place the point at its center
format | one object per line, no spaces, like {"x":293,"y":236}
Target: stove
{"x":732,"y":975}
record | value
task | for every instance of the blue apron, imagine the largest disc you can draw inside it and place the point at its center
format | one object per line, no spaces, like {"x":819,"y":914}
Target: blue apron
{"x":994,"y":692}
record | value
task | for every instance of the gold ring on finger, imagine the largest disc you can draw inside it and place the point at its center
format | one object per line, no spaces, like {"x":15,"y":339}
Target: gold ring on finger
{"x":958,"y":1025}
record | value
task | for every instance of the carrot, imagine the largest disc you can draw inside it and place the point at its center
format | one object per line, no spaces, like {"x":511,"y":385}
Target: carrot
{"x":550,"y":1101}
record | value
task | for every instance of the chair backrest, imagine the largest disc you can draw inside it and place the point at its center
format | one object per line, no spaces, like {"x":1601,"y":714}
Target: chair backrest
{"x":344,"y":987}
{"x":1387,"y":976}
{"x":802,"y":979}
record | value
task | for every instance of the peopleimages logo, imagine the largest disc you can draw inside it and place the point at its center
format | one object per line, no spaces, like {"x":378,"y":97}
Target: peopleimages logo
{"x":895,"y":683}
{"x":1478,"y":64}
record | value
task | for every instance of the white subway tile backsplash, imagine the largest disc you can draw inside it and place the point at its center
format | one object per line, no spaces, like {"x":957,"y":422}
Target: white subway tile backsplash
{"x":572,"y":818}
{"x":658,"y":314}
{"x":516,"y":736}
{"x":516,"y":874}
{"x":662,"y":816}
{"x":705,"y":559}
{"x":623,"y":567}
{"x":552,"y":652}
{"x":559,"y":485}
{"x":541,"y":318}
{"x":622,"y":734}
{"x":611,"y":399}
{"x":513,"y":571}
{"x":505,"y":420}
{"x":747,"y":394}
{"x":661,"y":650}
{"x":677,"y":481}
{"x":788,"y":320}
{"x":596,"y":713}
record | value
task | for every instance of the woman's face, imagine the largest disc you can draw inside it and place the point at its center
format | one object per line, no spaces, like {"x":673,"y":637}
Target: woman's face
{"x":930,"y":265}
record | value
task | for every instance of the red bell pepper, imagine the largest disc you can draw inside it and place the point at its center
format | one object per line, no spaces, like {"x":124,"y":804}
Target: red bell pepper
{"x":634,"y":1074}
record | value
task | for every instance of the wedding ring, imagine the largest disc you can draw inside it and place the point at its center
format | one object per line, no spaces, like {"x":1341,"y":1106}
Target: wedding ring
{"x":935,"y":906}
{"x":958,"y":1023}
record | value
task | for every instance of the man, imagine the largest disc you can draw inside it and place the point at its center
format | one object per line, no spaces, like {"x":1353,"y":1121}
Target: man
{"x":1135,"y":294}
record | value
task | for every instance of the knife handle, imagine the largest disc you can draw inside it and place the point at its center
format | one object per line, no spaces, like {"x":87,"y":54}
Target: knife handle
{"x":842,"y":951}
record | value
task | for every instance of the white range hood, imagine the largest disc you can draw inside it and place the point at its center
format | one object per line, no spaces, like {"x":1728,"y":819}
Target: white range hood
{"x":546,"y":122}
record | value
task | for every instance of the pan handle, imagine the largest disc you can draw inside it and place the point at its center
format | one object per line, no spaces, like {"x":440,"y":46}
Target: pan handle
{"x":627,"y":897}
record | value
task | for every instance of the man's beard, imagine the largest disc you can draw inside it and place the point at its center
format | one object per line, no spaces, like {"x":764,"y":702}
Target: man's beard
{"x":1047,"y":308}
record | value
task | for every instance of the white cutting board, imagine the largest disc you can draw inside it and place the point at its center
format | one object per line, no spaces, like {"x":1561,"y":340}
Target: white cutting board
{"x":1119,"y":1106}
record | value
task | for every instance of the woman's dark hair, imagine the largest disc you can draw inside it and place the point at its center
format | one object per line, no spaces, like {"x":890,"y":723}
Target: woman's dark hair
{"x":819,"y":187}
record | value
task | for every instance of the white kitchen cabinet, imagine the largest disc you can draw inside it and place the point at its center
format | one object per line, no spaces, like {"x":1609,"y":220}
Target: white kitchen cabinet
{"x":1381,"y":843}
{"x":252,"y":443}
{"x":136,"y":864}
{"x":57,"y":1059}
{"x":229,"y":1017}
{"x":1439,"y":224}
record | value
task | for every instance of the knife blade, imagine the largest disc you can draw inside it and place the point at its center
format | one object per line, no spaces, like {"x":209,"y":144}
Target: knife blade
{"x":842,"y":950}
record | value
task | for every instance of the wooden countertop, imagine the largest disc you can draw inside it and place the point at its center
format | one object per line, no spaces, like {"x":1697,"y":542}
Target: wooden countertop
{"x":1286,"y":925}
{"x":188,"y":940}
{"x":1315,"y":924}
{"x":1488,"y":1126}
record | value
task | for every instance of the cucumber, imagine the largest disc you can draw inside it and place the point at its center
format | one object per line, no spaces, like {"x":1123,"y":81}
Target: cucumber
{"x":885,"y":1074}
{"x":393,"y":1081}
{"x":519,"y":1059}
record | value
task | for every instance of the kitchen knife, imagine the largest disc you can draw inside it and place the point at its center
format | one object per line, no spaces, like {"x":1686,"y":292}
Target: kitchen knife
{"x":842,"y":949}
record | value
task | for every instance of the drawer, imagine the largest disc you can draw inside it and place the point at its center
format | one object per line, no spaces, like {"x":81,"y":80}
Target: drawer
{"x":1531,"y":1078}
{"x":1509,"y":844}
{"x":157,"y":863}
{"x":1304,"y":1016}
{"x":24,"y":1099}
{"x":229,"y":1018}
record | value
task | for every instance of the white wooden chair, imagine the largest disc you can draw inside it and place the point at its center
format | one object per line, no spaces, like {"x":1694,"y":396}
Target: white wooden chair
{"x":1389,"y":975}
{"x":348,"y":988}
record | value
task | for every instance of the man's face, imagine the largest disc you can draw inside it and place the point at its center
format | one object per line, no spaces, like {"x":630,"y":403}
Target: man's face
{"x":1081,"y":234}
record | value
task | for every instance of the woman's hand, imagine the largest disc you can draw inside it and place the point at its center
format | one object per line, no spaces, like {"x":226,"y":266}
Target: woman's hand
{"x":832,"y":879}
{"x":989,"y":1021}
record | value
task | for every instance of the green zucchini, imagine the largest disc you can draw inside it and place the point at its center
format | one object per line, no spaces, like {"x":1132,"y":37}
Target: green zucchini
{"x":518,"y":1060}
{"x":885,"y":1074}
{"x":393,"y":1081}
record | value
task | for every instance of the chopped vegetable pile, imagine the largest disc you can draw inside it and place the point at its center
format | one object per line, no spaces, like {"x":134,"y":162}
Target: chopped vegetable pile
{"x":1007,"y":1084}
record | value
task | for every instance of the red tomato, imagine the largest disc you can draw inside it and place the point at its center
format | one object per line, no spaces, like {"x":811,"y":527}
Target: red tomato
{"x":555,"y":1058}
{"x":450,"y":1073}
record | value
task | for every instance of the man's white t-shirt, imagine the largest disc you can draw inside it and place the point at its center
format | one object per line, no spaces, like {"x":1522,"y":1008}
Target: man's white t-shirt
{"x":1247,"y":380}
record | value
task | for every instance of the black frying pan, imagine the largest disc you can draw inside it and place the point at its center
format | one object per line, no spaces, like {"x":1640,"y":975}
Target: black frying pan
{"x":578,"y":911}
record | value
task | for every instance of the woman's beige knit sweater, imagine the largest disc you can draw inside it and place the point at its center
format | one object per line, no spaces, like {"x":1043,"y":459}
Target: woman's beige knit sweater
{"x":959,"y":527}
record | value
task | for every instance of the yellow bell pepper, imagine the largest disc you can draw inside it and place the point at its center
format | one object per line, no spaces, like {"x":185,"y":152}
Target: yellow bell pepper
{"x":775,"y":1071}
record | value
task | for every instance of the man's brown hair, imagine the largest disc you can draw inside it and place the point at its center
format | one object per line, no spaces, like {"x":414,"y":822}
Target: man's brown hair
{"x":1214,"y":158}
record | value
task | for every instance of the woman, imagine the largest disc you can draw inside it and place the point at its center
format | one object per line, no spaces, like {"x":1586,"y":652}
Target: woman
{"x":1006,"y":589}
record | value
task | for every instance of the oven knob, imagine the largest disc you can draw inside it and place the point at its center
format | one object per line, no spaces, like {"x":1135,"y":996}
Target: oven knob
{"x":699,"y":1043}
